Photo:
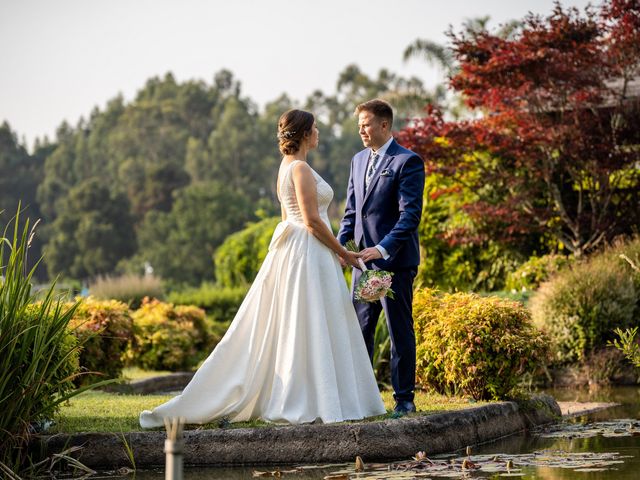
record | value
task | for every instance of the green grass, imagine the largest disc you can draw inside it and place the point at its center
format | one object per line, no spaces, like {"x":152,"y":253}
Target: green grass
{"x":429,"y":402}
{"x":109,"y":412}
{"x":97,"y":411}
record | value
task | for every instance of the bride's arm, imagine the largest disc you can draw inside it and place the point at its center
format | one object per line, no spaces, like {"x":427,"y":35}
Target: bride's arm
{"x":306,"y":195}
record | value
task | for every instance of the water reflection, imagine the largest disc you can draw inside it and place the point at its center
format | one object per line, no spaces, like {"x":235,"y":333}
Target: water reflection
{"x":628,"y":397}
{"x":237,"y":473}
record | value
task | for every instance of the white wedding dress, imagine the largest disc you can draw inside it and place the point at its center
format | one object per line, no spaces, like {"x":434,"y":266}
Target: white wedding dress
{"x":294,"y":352}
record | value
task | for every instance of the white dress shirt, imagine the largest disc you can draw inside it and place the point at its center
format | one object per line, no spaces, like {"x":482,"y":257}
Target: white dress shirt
{"x":381,"y":151}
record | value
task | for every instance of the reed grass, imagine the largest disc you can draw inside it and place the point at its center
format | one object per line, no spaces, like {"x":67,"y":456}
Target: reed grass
{"x":38,"y":353}
{"x":129,"y":288}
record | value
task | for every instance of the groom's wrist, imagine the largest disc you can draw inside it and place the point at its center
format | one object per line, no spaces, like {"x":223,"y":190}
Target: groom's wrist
{"x":383,"y":252}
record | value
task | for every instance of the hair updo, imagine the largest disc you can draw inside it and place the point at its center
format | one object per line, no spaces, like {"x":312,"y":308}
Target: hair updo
{"x":293,"y":126}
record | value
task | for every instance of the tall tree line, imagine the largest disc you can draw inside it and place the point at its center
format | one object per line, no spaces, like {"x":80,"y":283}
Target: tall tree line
{"x":164,"y":179}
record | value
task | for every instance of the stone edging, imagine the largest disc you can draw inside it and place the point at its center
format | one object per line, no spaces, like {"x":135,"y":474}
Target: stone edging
{"x":579,"y":409}
{"x":385,"y":440}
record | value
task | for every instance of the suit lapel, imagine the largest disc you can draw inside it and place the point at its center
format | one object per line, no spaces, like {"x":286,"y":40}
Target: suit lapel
{"x":361,"y":169}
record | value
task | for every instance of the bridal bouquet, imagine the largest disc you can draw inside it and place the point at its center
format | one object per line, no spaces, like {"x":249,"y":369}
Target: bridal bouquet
{"x":374,"y":284}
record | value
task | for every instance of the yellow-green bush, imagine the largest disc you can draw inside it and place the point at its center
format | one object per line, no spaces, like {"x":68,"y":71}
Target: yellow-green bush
{"x":220,"y":303}
{"x":477,"y":346}
{"x":105,"y":330}
{"x":169,"y":337}
{"x":581,"y":306}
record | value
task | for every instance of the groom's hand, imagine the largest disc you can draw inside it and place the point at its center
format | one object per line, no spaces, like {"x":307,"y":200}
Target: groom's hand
{"x":351,"y":258}
{"x":369,"y":254}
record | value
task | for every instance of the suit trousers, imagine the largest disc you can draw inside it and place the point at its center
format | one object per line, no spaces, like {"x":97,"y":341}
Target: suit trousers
{"x":398,"y":312}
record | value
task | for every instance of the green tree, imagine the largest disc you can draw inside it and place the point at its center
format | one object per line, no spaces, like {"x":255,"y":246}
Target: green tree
{"x":59,"y":174}
{"x":268,"y":154}
{"x":23,"y":172}
{"x":20,"y":174}
{"x":93,"y":231}
{"x":233,"y":148}
{"x":179,"y":244}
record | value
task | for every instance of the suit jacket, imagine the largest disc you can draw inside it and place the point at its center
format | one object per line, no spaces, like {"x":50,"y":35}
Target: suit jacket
{"x":388,"y":214}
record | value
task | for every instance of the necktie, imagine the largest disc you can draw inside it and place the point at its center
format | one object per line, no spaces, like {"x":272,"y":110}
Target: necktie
{"x":373,"y":163}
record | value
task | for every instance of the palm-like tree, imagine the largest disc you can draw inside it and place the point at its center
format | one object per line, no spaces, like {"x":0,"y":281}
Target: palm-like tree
{"x":443,"y":58}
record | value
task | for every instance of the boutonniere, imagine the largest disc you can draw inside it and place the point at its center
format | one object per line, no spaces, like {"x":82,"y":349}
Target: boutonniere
{"x":386,"y":173}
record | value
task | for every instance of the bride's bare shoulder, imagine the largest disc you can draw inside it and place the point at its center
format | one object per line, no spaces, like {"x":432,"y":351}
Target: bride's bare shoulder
{"x":300,"y":167}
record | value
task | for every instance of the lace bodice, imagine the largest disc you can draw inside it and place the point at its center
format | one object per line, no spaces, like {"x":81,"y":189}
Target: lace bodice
{"x":288,"y":195}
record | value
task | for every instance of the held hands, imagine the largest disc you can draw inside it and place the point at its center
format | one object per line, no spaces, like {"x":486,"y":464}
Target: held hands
{"x":349,"y":258}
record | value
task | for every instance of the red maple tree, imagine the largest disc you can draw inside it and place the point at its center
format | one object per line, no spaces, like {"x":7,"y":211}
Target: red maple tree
{"x":555,"y":145}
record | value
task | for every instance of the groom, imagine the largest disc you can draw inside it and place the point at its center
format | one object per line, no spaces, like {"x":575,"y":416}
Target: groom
{"x":382,"y":214}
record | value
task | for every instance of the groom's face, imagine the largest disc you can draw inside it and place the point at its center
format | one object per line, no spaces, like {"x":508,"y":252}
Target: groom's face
{"x":373,"y":131}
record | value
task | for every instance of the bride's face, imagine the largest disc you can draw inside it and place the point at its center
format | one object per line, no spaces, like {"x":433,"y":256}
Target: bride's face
{"x":314,"y":137}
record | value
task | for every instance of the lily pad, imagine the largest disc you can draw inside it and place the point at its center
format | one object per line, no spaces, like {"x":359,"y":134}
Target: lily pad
{"x":615,"y":428}
{"x":479,"y":466}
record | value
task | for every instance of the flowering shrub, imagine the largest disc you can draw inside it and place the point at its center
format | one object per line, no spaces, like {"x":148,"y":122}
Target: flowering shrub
{"x":477,"y":346}
{"x":105,"y":330}
{"x":169,"y":337}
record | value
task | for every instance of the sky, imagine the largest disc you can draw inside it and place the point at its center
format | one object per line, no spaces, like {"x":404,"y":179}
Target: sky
{"x":61,"y":58}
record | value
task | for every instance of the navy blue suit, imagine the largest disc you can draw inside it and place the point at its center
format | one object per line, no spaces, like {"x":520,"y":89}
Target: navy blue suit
{"x":388,"y":214}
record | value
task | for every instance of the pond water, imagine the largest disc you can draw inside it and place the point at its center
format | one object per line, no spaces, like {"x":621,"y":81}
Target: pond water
{"x":602,"y":446}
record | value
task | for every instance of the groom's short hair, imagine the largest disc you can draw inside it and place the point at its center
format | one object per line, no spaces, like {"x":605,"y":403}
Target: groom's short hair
{"x":378,"y":108}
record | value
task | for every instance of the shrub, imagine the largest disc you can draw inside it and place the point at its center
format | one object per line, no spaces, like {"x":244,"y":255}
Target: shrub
{"x":534,"y":271}
{"x":238,"y":259}
{"x":38,"y":355}
{"x":521,"y":296}
{"x":627,"y":343}
{"x":581,"y":306}
{"x":479,"y":346}
{"x":221,"y":304}
{"x":169,"y":337}
{"x":105,"y":329}
{"x":631,"y":265}
{"x":129,"y":288}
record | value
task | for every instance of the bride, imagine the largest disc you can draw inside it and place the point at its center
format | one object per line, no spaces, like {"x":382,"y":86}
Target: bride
{"x":294,"y":352}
